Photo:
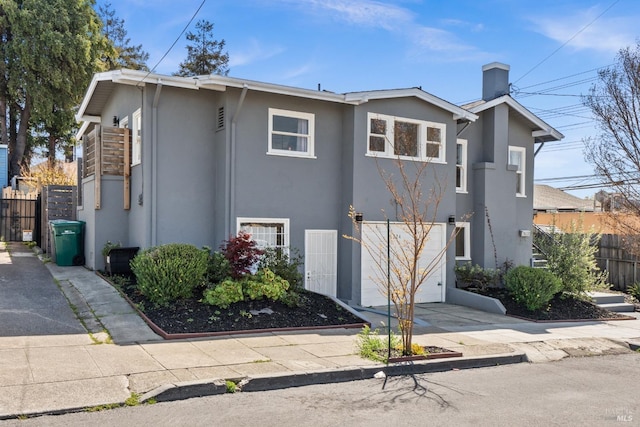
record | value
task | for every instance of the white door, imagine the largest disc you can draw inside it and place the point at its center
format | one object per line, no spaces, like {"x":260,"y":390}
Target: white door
{"x":321,"y":261}
{"x":374,"y":263}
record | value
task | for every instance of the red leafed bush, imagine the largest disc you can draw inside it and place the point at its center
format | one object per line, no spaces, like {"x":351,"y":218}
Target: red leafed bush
{"x":242,"y":253}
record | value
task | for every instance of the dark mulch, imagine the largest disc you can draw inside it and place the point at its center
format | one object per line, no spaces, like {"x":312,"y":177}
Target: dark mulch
{"x":560,"y":307}
{"x":191,"y":316}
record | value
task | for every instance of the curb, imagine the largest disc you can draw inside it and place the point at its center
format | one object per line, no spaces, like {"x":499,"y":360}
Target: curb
{"x":186,"y":390}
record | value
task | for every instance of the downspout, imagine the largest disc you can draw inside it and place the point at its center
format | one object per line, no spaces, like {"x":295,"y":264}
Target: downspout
{"x":231,"y":167}
{"x":153,"y":206}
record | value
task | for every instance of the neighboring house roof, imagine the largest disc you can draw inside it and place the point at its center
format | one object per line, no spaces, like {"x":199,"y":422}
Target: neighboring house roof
{"x":542,"y":132}
{"x":546,"y":198}
{"x":103,"y":84}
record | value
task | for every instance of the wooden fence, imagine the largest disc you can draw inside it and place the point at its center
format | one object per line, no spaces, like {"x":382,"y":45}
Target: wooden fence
{"x":621,"y":266}
{"x":58,"y":202}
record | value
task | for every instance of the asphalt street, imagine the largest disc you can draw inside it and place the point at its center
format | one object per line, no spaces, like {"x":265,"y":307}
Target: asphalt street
{"x":589,"y":391}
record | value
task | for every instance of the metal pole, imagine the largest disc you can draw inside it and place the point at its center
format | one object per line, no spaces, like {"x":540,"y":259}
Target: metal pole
{"x":388,"y":290}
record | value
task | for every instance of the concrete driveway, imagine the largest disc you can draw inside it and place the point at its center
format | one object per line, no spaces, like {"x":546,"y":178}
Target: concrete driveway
{"x":30,"y":301}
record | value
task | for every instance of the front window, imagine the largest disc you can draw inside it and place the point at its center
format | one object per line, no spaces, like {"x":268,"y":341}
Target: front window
{"x":267,"y":232}
{"x":461,"y":166}
{"x":463,"y":241}
{"x":390,"y":136}
{"x":291,"y":133}
{"x":517,"y":159}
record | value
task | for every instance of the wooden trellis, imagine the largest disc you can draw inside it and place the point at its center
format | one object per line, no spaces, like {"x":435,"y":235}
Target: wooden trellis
{"x":107,"y":151}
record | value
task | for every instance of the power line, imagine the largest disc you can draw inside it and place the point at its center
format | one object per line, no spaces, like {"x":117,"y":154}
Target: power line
{"x":567,"y":77}
{"x":175,"y":41}
{"x":567,"y":42}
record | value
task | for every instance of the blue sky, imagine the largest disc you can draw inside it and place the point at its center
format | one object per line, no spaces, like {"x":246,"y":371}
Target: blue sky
{"x":354,"y":45}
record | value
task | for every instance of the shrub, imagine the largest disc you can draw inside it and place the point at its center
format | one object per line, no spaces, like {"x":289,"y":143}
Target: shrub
{"x":374,"y":347}
{"x":634,"y":290}
{"x":169,"y":272}
{"x":284,"y":265}
{"x":571,"y":257}
{"x":242,"y":253}
{"x":533,"y":287}
{"x":474,"y":275}
{"x":264,"y":284}
{"x":224,"y":294}
{"x":218,"y":269}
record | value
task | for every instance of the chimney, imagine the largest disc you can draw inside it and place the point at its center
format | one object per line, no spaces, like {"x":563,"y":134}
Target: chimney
{"x":495,"y":80}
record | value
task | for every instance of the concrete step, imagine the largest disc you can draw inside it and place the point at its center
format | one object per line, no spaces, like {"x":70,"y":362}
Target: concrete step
{"x":620,"y":307}
{"x":606,"y":298}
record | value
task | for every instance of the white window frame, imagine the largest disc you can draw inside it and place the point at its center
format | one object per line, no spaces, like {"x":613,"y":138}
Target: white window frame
{"x":136,"y":137}
{"x":521,"y":171}
{"x":466,"y":229}
{"x":462,"y":166}
{"x":310,"y":117}
{"x":422,"y":138}
{"x":284,"y":221}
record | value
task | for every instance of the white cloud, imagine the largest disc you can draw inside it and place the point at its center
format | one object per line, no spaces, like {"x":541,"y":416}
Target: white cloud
{"x":605,"y":34}
{"x":298,"y":71}
{"x":397,"y":20}
{"x":253,"y":51}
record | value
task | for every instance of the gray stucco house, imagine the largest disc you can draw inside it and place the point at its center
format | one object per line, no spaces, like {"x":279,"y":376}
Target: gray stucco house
{"x":174,"y":159}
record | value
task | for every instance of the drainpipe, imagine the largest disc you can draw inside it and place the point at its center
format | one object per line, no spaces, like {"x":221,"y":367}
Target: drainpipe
{"x":231,"y":167}
{"x":153,"y":205}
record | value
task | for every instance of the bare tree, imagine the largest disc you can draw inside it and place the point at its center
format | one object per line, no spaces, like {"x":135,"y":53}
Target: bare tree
{"x":408,"y":269}
{"x":615,"y":153}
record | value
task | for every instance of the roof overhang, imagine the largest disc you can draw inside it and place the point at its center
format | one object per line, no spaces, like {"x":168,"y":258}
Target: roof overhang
{"x":103,"y":84}
{"x":542,"y":131}
{"x":458,"y":112}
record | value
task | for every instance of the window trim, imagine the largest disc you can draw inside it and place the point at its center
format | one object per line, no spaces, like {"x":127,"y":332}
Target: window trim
{"x":136,"y":137}
{"x":283,"y":221}
{"x":466,"y":229}
{"x":463,"y":187}
{"x":422,"y":138}
{"x":310,"y":117}
{"x":522,"y":172}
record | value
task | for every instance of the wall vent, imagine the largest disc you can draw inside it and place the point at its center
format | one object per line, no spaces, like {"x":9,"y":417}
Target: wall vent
{"x":220,"y":118}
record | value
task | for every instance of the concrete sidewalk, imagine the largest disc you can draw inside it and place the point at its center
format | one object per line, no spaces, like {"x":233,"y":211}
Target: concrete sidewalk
{"x":119,"y":354}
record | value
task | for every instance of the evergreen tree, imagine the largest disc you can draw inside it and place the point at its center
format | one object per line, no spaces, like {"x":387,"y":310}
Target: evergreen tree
{"x":205,"y":54}
{"x":119,"y":53}
{"x":49,"y":52}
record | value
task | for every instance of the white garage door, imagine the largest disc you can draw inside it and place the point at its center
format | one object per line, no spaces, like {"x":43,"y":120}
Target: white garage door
{"x":374,"y":262}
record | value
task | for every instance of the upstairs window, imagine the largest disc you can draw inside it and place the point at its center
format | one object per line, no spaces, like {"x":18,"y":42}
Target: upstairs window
{"x":291,"y":133}
{"x":461,"y":166}
{"x":390,"y":136}
{"x":517,"y":159}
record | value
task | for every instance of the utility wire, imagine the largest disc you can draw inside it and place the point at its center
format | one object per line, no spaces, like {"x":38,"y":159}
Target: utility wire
{"x":567,"y":42}
{"x":175,"y":41}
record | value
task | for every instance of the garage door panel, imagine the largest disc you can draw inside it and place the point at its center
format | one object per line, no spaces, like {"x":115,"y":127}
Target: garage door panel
{"x":374,"y":261}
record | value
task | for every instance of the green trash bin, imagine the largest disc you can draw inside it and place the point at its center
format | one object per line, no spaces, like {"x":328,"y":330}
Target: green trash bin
{"x":68,"y":240}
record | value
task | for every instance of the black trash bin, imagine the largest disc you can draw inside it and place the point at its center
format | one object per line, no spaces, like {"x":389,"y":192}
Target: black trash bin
{"x":118,"y":260}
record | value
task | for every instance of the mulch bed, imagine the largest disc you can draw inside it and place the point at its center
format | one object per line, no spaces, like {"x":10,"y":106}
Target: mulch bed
{"x":189,"y":317}
{"x":561,"y":308}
